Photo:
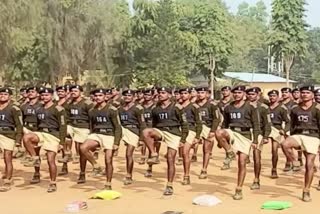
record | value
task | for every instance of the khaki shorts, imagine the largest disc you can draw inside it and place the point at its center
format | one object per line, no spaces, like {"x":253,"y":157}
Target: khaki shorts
{"x":307,"y":143}
{"x":79,"y":135}
{"x":6,"y":143}
{"x":191,"y":137}
{"x":205,"y":131}
{"x":239,"y":142}
{"x":171,"y":140}
{"x":48,"y":141}
{"x":275,"y":135}
{"x":105,"y":141}
{"x":129,"y":137}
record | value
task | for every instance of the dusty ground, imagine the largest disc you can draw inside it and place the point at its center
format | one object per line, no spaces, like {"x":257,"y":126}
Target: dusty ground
{"x":145,"y":195}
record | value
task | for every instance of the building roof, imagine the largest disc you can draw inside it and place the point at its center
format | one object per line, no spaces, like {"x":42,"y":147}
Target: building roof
{"x":256,"y":77}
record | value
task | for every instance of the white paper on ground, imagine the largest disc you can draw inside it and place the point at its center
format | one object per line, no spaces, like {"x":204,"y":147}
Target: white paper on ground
{"x":206,"y":200}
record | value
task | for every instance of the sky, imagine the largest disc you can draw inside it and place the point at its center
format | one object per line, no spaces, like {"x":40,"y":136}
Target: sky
{"x":312,"y":14}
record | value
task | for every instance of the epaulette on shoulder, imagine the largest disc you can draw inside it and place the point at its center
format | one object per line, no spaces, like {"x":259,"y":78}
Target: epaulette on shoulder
{"x":116,"y":102}
{"x":253,"y":104}
{"x":59,"y":108}
{"x":195,"y":105}
{"x":87,"y":102}
{"x":284,"y":107}
{"x":15,"y":103}
{"x":15,"y":107}
{"x":113,"y":108}
{"x":232,"y":102}
{"x":138,"y":106}
{"x":263,"y":105}
{"x":318,"y":106}
{"x":179,"y":106}
{"x":214,"y":102}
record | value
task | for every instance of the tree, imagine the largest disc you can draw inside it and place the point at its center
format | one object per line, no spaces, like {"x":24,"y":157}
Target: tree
{"x":209,"y":21}
{"x":250,"y":28}
{"x":161,"y":48}
{"x":308,"y":69}
{"x":288,"y":36}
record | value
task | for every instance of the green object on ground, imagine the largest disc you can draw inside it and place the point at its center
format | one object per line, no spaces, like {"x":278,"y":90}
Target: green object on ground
{"x":276,"y":205}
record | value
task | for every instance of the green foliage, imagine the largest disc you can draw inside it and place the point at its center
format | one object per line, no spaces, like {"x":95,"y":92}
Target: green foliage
{"x":308,"y":69}
{"x":162,"y":42}
{"x":288,"y":37}
{"x":249,"y":27}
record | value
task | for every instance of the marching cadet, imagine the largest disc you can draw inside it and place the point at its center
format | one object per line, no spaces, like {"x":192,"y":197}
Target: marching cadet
{"x":148,"y":106}
{"x":62,"y":95}
{"x":286,"y":98}
{"x":115,"y":97}
{"x":305,"y":125}
{"x":177,"y":98}
{"x":265,"y":130}
{"x":169,"y":126}
{"x":279,"y":115}
{"x":155,"y":95}
{"x":289,"y":103}
{"x":133,"y":124}
{"x":10,"y":134}
{"x":51,"y":134}
{"x":211,"y":118}
{"x":176,"y":95}
{"x":29,"y":113}
{"x":226,"y":98}
{"x":317,"y":95}
{"x":66,"y":152}
{"x":239,"y":118}
{"x":78,"y":118}
{"x":23,"y":96}
{"x":193,"y":95}
{"x":108,"y":95}
{"x":195,"y":129}
{"x":296,"y":95}
{"x":139,"y":96}
{"x":261,"y":97}
{"x":193,"y":99}
{"x":105,"y":132}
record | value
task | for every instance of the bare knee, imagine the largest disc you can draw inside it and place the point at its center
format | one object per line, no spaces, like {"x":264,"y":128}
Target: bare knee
{"x":51,"y":157}
{"x":170,"y":157}
{"x":84,"y":147}
{"x":108,"y":160}
{"x":147,"y":132}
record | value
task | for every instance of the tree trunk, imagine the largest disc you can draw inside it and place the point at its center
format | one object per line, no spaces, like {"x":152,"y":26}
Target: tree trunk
{"x":212,"y":64}
{"x":288,"y":62}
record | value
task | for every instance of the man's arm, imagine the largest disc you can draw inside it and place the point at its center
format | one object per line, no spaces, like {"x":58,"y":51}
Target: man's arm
{"x":198,"y":121}
{"x":61,"y":116}
{"x":286,"y":118}
{"x":255,"y":120}
{"x":265,"y":115}
{"x":17,"y":117}
{"x":142,"y":123}
{"x":116,"y":125}
{"x":181,"y":115}
{"x":216,"y":117}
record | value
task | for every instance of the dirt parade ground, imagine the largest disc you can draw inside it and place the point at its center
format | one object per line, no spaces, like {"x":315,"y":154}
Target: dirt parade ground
{"x":144,"y":196}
